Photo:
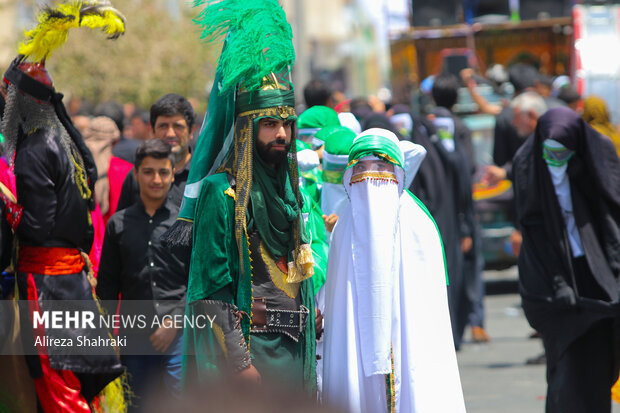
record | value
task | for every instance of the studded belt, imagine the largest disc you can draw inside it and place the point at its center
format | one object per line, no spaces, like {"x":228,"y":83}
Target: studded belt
{"x":273,"y":320}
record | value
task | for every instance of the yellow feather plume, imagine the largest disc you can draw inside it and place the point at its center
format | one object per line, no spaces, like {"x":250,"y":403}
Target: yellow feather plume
{"x":54,"y":24}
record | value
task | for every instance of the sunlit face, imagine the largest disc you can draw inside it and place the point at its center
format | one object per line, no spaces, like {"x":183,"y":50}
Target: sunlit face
{"x":273,"y":140}
{"x":524,"y":123}
{"x":140,"y":129}
{"x":174,"y":130}
{"x":372,"y":165}
{"x":155,"y":176}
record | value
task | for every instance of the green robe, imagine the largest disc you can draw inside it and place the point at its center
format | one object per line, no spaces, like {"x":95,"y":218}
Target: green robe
{"x":216,"y":273}
{"x":315,"y":226}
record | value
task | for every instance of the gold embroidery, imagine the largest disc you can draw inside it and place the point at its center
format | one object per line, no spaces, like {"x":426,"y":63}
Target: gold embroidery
{"x":80,"y":175}
{"x":274,"y":111}
{"x":383,"y":156}
{"x":378,"y":176}
{"x":303,"y":267}
{"x":277,"y":275}
{"x":230,"y":192}
{"x":221,"y":340}
{"x":283,"y":112}
{"x":389,"y":385}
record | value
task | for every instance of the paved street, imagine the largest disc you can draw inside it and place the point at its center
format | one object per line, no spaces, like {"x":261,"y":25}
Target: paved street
{"x":494,"y":376}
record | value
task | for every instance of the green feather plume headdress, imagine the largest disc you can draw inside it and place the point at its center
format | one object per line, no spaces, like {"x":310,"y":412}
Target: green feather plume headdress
{"x":258,"y":40}
{"x":54,"y":24}
{"x":257,"y":43}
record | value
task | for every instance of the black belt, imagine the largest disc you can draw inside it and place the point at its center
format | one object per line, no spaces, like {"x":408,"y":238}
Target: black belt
{"x":273,"y":320}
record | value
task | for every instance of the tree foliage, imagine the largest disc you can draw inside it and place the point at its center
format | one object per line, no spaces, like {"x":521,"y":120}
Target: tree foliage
{"x":160,"y":53}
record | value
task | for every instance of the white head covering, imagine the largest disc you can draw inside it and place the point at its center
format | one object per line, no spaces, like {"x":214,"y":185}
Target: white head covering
{"x":350,"y":121}
{"x":414,"y":155}
{"x":403,"y":122}
{"x":385,"y":275}
{"x":307,"y":159}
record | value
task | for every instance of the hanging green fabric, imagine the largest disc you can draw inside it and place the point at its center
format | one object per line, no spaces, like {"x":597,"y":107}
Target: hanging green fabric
{"x":274,"y":207}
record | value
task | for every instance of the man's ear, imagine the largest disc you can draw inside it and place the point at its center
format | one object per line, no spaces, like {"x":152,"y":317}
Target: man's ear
{"x":135,"y":172}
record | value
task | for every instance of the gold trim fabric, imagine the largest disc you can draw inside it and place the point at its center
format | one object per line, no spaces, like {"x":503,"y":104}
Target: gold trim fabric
{"x":383,"y":156}
{"x":231,"y":193}
{"x":278,"y":276}
{"x":302,"y":267}
{"x":373,"y":175}
{"x":283,"y":112}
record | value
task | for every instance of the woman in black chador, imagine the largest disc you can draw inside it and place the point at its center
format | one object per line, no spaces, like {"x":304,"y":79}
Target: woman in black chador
{"x":567,"y":188}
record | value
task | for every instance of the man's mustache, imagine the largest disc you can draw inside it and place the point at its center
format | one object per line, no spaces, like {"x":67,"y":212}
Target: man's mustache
{"x":279,"y":142}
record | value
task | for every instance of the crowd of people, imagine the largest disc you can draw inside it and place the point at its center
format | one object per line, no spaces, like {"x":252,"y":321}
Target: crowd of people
{"x":332,"y":245}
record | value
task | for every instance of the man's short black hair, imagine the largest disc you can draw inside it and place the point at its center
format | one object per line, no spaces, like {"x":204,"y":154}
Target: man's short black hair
{"x":522,"y":76}
{"x":112,"y":110}
{"x":170,"y":105}
{"x":154,"y":148}
{"x":142,"y":114}
{"x":316,"y":93}
{"x":445,"y":90}
{"x":568,"y":94}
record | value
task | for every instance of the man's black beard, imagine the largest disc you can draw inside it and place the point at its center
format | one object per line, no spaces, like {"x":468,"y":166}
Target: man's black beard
{"x":271,"y":156}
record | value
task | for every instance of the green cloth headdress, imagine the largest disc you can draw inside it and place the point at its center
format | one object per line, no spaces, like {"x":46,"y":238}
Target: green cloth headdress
{"x":313,"y":119}
{"x":368,"y":143}
{"x":338,"y":141}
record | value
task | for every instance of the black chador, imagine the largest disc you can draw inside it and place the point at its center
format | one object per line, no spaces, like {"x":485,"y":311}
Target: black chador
{"x":567,"y":181}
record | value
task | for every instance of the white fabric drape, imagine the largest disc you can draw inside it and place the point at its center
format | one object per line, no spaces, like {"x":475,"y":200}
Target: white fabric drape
{"x":418,"y":329}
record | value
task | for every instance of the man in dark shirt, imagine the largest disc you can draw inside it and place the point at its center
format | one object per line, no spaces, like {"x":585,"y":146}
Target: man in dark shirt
{"x":507,"y":140}
{"x":137,"y":266}
{"x":172,"y":120}
{"x":455,"y":215}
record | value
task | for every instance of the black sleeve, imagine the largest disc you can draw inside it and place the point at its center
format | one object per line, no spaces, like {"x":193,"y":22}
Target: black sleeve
{"x":503,"y":136}
{"x":130,"y":192}
{"x":36,"y":170}
{"x":110,"y":266}
{"x":469,"y":147}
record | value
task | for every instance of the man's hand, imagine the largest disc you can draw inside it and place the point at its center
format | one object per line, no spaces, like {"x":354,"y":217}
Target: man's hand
{"x":251,"y":375}
{"x":466,"y":244}
{"x":330,"y":222}
{"x":492,"y":175}
{"x":318,"y":323}
{"x":468,"y":77}
{"x":163,"y":337}
{"x":563,"y":293}
{"x":516,"y":239}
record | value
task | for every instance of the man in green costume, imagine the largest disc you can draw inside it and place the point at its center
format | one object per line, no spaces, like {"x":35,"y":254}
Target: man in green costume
{"x":251,"y":259}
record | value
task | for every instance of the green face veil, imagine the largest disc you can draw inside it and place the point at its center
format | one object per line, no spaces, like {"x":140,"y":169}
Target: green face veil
{"x":556,"y":154}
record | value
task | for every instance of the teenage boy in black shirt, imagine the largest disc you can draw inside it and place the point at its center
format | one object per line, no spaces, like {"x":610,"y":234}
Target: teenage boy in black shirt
{"x":136,"y":265}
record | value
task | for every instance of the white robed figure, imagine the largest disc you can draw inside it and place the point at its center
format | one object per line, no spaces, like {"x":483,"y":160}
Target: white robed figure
{"x":388,"y":339}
